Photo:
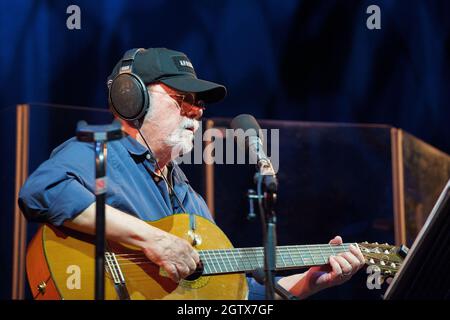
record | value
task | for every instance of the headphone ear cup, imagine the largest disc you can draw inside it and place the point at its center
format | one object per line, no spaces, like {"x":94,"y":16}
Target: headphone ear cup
{"x":129,"y":98}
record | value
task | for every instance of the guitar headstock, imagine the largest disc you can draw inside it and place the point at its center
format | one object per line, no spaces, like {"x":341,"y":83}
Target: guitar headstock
{"x":384,"y":256}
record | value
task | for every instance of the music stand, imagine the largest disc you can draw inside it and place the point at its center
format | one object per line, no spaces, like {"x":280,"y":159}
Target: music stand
{"x":425,"y":273}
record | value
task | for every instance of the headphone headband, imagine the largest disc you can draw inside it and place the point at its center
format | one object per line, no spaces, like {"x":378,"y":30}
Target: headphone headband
{"x":128,"y":59}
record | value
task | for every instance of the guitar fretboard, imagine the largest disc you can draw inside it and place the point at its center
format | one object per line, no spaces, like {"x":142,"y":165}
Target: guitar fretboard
{"x":222,"y":261}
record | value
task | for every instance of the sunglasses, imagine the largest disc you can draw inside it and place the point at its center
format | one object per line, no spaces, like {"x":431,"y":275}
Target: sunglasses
{"x":186,"y":101}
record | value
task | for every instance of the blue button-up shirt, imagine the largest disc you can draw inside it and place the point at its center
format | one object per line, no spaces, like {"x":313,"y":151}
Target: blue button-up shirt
{"x":63,"y":187}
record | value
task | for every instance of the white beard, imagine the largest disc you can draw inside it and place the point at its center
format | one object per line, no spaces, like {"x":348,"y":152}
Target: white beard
{"x":182,"y":140}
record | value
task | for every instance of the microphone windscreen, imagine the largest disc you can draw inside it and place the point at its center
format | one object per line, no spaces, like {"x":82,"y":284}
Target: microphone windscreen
{"x":245,"y":122}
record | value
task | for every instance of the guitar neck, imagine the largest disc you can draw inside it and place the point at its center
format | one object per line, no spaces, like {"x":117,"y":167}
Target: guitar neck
{"x":222,"y":261}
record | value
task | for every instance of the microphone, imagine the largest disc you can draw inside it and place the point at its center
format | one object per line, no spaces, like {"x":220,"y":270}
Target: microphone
{"x":254,"y":145}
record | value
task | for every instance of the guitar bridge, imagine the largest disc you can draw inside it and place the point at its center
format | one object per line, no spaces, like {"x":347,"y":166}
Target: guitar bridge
{"x":114,"y":269}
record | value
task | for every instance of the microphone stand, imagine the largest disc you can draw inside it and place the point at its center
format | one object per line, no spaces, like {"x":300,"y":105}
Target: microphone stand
{"x":99,"y":135}
{"x":267,"y":194}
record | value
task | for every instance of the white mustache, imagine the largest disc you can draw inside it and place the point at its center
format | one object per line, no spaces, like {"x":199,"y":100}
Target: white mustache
{"x":189,"y":123}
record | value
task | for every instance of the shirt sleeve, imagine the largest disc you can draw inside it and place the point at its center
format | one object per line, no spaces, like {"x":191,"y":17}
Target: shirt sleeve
{"x":257,"y":291}
{"x":56,"y":191}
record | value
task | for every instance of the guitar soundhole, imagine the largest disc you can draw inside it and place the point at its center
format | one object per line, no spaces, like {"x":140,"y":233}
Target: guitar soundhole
{"x":197,"y":273}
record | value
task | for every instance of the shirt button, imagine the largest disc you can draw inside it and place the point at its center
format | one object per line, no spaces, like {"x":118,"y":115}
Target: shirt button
{"x":156,"y":179}
{"x":148,"y":156}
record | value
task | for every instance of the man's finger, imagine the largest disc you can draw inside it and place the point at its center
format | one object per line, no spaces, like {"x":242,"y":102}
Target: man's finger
{"x":183,"y":270}
{"x":196,"y":256}
{"x":192,"y":265}
{"x":344,"y":264}
{"x":358,"y":254}
{"x":172,"y":271}
{"x":354,"y":262}
{"x":335,"y":267}
{"x":336,"y":241}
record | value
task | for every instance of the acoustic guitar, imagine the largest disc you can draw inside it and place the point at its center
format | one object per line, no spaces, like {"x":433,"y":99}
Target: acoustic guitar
{"x":60,"y":264}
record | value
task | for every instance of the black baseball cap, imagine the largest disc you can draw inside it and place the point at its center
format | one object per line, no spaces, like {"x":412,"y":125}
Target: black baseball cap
{"x":174,"y":69}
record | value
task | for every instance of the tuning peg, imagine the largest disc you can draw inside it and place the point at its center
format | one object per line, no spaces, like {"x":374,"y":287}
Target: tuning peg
{"x":382,"y":263}
{"x":386,"y":251}
{"x":393,"y":265}
{"x":375,"y":243}
{"x":371,"y":261}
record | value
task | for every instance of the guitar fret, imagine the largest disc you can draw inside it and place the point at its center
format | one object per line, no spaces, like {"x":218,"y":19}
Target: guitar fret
{"x":258,"y":252}
{"x":312,"y":256}
{"x":281,"y":258}
{"x":235,"y":261}
{"x":219,"y":264}
{"x":204,"y":256}
{"x":212,"y":261}
{"x":227,"y":261}
{"x":220,"y":261}
{"x":282,"y":261}
{"x":317,"y":253}
{"x":290,"y":256}
{"x":252,"y":258}
{"x":239,"y":259}
{"x":323,"y":257}
{"x":307,"y":258}
{"x":248,"y":259}
{"x":300,"y":255}
{"x":245,"y":261}
{"x":287,"y":257}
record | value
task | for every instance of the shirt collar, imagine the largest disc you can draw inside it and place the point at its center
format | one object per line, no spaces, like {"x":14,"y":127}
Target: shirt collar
{"x":133,"y":146}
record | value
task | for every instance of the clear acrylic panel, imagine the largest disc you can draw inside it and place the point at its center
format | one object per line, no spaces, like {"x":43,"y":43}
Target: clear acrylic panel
{"x":33,"y":131}
{"x":426,"y":172}
{"x":336,"y":179}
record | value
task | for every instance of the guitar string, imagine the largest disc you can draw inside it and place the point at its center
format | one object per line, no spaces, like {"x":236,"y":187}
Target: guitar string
{"x":220,"y":258}
{"x":252,"y":263}
{"x":219,"y":261}
{"x":219,"y":270}
{"x":216,"y":258}
{"x":232,"y":253}
{"x":314,"y":247}
{"x":129,"y":273}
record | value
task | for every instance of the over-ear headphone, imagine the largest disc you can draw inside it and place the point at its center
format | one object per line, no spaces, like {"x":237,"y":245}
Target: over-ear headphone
{"x":128,"y":95}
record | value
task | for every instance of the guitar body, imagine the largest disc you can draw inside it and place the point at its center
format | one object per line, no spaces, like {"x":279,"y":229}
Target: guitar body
{"x":61,"y":262}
